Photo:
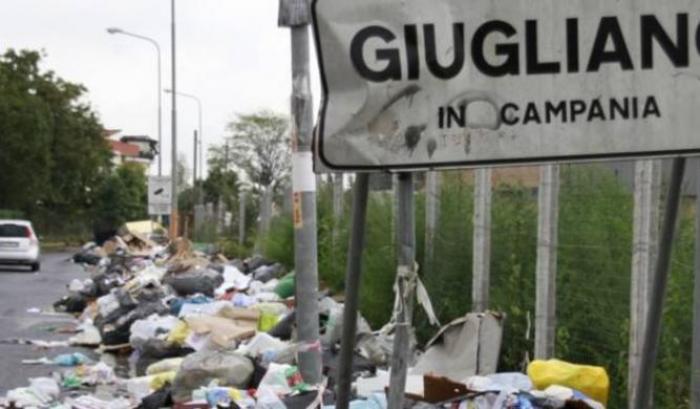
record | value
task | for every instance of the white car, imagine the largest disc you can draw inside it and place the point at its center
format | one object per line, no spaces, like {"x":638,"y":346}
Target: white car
{"x":19,"y":244}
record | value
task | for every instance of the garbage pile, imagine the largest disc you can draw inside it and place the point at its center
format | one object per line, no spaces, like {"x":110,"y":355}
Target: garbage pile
{"x":168,"y":326}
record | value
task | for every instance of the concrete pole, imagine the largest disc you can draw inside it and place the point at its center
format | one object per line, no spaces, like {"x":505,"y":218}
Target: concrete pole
{"x":173,"y":142}
{"x":546,"y":274}
{"x":642,"y":398}
{"x":241,"y":217}
{"x":647,"y":200}
{"x":432,"y":215}
{"x":296,"y":14}
{"x":404,"y":319}
{"x":482,"y":240}
{"x":352,"y":289}
{"x":695,"y":367}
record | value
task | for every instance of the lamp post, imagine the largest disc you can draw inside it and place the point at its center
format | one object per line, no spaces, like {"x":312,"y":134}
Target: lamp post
{"x":116,"y":30}
{"x":201,"y":135}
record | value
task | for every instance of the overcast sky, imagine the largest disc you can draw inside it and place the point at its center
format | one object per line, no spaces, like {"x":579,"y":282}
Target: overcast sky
{"x":230,"y":53}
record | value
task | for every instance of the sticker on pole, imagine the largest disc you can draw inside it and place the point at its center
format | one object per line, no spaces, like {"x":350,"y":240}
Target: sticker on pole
{"x":414,"y":84}
{"x":159,"y":195}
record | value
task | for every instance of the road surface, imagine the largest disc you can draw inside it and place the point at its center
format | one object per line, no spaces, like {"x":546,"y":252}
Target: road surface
{"x":21,"y":290}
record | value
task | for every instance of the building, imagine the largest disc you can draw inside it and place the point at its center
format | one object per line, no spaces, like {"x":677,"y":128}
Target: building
{"x":131,"y":149}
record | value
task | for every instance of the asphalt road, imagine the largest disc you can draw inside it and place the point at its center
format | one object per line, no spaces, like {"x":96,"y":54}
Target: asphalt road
{"x":21,"y":290}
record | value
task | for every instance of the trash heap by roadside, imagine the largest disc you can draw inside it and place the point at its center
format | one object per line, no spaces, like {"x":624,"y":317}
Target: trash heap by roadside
{"x":172,"y":327}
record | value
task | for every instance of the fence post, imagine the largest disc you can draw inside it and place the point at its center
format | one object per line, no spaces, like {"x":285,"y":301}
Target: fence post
{"x":647,"y":198}
{"x":481,"y":271}
{"x":432,"y":215}
{"x":406,"y":261}
{"x":547,"y":225}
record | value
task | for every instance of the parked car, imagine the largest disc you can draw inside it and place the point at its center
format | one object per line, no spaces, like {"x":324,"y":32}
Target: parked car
{"x":19,"y":244}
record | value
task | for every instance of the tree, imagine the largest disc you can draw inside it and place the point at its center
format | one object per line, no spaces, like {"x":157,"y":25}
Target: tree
{"x":121,"y":197}
{"x":258,"y":146}
{"x":53,"y":154}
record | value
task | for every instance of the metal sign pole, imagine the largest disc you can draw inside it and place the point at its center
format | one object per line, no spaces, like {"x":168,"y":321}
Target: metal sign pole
{"x":296,"y":15}
{"x":642,"y":398}
{"x":352,"y":289}
{"x":406,"y":260}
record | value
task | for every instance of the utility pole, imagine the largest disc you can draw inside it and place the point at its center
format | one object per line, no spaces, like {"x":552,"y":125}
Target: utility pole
{"x":194,"y":161}
{"x":432,"y":215}
{"x":647,"y":198}
{"x":695,"y":367}
{"x":296,"y":14}
{"x":482,"y":240}
{"x":173,"y":142}
{"x":547,"y":226}
{"x":406,"y":279}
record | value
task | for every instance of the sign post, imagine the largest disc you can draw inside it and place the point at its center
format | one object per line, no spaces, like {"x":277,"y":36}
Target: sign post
{"x":159,"y":195}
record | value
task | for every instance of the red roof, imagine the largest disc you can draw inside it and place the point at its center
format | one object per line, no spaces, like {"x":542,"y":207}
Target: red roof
{"x":125,"y":149}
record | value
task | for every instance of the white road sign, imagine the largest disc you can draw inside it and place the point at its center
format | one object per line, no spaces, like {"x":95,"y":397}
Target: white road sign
{"x":159,"y":195}
{"x":431,"y":83}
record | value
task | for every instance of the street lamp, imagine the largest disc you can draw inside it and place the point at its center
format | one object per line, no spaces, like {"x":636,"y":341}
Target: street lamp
{"x":116,"y":30}
{"x":199,"y":112}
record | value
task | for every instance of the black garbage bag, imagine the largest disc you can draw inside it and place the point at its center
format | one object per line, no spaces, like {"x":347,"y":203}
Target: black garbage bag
{"x":267,"y":273}
{"x":154,"y":350}
{"x":203,"y":281}
{"x":284,"y":328}
{"x":102,"y":285}
{"x":86,"y":257}
{"x":162,"y":398}
{"x":119,"y":331}
{"x":73,"y":304}
{"x":251,"y":264}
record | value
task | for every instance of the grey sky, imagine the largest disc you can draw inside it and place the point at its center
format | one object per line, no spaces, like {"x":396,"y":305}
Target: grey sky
{"x":230,"y":53}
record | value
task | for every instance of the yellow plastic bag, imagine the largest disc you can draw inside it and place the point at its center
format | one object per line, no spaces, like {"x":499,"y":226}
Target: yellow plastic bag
{"x":593,"y":381}
{"x":157,"y":382}
{"x":165,"y":365}
{"x":267,"y":321}
{"x":179,"y":333}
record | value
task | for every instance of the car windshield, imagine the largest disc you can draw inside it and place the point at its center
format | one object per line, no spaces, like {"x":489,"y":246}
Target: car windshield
{"x":12,"y":231}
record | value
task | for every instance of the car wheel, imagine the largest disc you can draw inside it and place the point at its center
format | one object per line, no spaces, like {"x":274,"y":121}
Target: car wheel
{"x":36,"y":267}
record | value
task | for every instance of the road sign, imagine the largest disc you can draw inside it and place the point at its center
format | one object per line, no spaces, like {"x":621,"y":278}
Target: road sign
{"x":159,"y":193}
{"x":448,"y":83}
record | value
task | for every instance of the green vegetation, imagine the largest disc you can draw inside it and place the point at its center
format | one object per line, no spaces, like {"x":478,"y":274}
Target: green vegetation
{"x":55,"y":162}
{"x":53,"y":155}
{"x":593,"y":283}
